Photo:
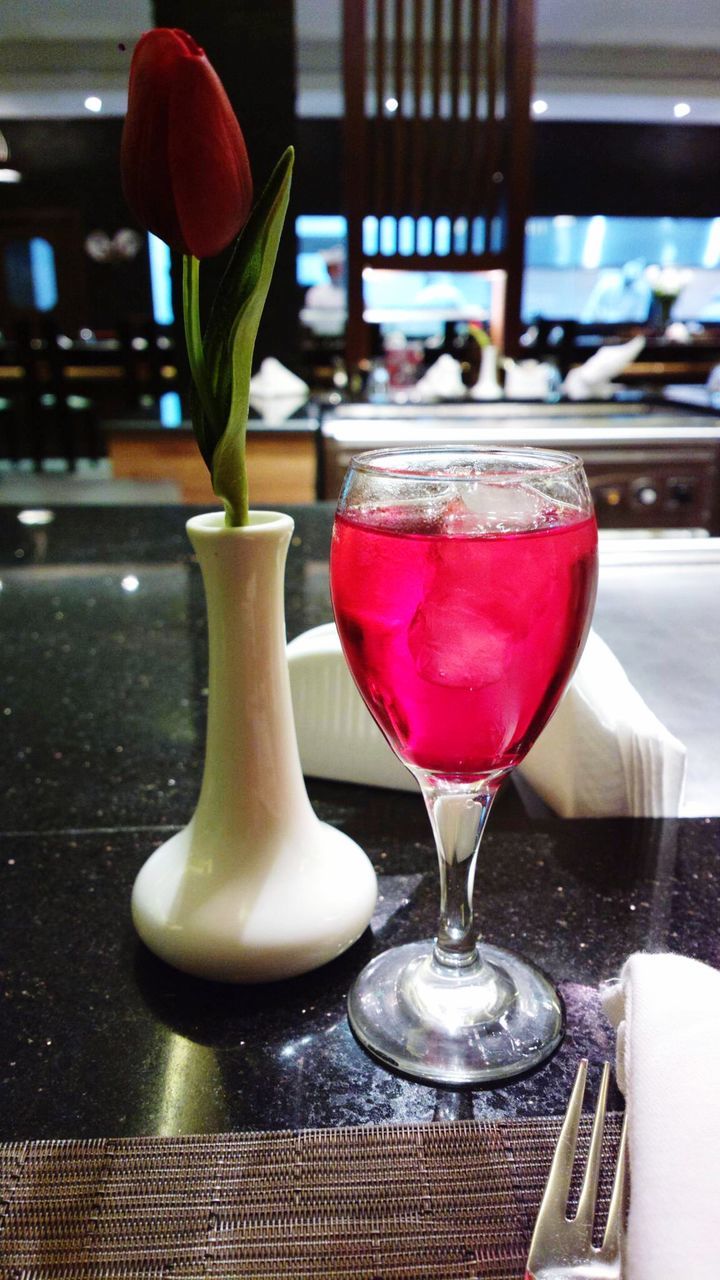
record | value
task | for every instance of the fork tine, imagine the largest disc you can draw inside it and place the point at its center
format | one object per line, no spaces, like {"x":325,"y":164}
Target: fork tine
{"x":558,"y":1183}
{"x":551,"y":1221}
{"x":613,"y":1229}
{"x":588,"y":1195}
{"x":562,"y":1245}
{"x":554,"y":1201}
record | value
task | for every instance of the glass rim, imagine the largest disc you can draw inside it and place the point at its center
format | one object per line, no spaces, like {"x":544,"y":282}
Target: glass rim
{"x":558,"y":462}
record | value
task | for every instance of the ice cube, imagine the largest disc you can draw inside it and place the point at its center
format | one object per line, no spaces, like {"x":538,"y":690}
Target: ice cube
{"x":504,"y":506}
{"x":453,"y":643}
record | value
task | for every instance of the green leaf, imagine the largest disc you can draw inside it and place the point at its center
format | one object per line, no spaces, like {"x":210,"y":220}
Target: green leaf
{"x":229,"y":340}
{"x":202,"y":406}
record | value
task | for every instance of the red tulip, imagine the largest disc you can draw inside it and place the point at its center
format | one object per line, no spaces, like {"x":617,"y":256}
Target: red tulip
{"x":184,"y":163}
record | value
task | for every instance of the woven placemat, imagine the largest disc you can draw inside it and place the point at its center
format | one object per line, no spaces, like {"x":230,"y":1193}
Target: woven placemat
{"x":452,"y":1201}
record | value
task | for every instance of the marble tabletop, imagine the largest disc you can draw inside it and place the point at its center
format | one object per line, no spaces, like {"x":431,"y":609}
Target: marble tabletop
{"x":104,"y":684}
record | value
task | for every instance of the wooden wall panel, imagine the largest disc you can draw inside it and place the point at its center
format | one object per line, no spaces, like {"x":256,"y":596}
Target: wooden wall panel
{"x":437,"y":129}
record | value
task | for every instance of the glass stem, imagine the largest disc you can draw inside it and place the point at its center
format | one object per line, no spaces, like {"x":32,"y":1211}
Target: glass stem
{"x":458,"y":814}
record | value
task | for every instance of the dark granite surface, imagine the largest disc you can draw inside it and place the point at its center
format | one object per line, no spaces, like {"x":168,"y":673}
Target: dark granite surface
{"x":103,"y":714}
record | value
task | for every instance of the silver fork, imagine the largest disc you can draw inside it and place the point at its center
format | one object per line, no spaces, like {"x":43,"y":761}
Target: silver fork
{"x":562,"y":1247}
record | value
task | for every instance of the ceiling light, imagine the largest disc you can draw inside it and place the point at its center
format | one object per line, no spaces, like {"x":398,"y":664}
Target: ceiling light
{"x":130,"y":582}
{"x":10,"y":175}
{"x":681,"y":109}
{"x":93,"y":104}
{"x":391,"y":104}
{"x":539,"y":107}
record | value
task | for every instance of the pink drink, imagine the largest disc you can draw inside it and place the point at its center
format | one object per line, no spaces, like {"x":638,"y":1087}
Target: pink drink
{"x":462,"y":639}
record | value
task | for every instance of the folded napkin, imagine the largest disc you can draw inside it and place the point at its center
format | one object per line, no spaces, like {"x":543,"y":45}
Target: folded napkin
{"x":593,"y":380}
{"x":337,"y":736}
{"x":273,"y":379}
{"x":667,"y":1012}
{"x":277,"y":408}
{"x":530,"y":379}
{"x":603,"y":754}
{"x":443,"y":381}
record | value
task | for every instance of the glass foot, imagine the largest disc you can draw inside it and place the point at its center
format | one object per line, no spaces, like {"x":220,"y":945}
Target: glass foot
{"x":489,"y":1020}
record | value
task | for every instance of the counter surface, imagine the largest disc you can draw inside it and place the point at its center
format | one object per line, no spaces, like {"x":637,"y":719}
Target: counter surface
{"x":104,"y":675}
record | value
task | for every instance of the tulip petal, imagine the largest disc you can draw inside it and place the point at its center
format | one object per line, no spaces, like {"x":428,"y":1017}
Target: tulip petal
{"x":208,"y":162}
{"x":144,"y":161}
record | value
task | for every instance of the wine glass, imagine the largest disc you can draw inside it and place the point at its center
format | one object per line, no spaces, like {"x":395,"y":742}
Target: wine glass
{"x":463,"y":581}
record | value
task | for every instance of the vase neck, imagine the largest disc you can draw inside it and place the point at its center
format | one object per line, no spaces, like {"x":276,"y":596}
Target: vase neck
{"x":251,"y":751}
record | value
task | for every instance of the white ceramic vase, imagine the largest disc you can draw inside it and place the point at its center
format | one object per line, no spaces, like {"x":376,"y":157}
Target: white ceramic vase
{"x":255,"y":888}
{"x":487,"y":386}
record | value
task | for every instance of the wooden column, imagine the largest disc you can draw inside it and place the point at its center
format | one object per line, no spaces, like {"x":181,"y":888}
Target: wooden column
{"x":355,"y":175}
{"x":447,"y":160}
{"x":521,"y":76}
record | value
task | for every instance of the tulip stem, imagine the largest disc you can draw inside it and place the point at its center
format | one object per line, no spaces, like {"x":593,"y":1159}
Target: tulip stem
{"x":194,"y":342}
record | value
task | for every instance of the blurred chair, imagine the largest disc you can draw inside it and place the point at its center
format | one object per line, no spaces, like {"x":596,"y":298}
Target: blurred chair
{"x":149,"y":359}
{"x":10,"y":431}
{"x":59,"y":420}
{"x":11,"y":402}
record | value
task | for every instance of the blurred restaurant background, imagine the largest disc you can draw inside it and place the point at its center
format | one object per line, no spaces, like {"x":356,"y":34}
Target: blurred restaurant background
{"x":539,"y":181}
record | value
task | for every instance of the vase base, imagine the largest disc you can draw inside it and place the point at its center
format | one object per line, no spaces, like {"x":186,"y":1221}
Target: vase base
{"x":248,"y":926}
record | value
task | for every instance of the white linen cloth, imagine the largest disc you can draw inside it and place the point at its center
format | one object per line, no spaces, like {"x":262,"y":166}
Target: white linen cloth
{"x":273,"y":379}
{"x":667,"y":1012}
{"x":529,"y":379}
{"x":604,"y":753}
{"x":593,"y":379}
{"x":337,"y":736}
{"x":443,"y":381}
{"x":276,"y":409}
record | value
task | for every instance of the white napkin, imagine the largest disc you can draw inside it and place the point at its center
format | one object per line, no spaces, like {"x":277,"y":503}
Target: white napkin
{"x":529,"y":379}
{"x":593,"y":380}
{"x":336,"y":734}
{"x":604,"y":753}
{"x":277,"y":409}
{"x":443,"y":381}
{"x":273,"y":379}
{"x":667,"y":1012}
